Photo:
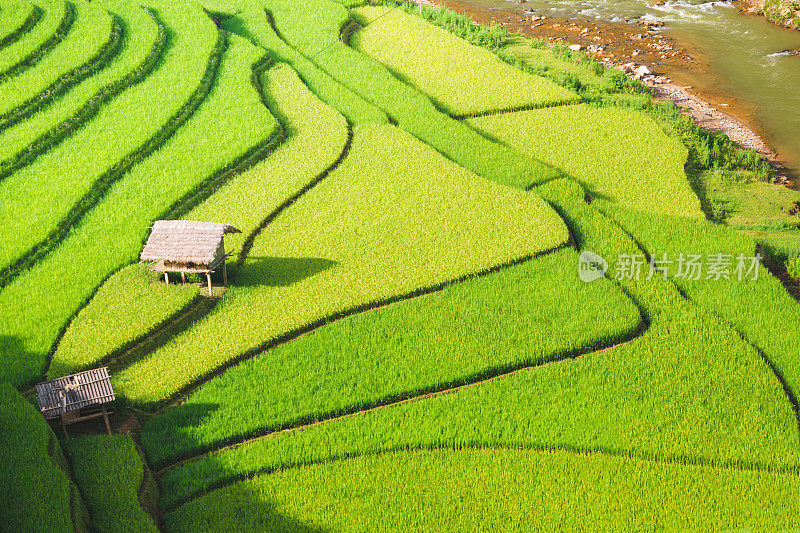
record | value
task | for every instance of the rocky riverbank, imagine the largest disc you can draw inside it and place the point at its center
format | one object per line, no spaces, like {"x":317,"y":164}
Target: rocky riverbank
{"x":782,"y":12}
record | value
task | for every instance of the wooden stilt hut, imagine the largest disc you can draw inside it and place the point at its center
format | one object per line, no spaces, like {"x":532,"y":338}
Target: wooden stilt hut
{"x":76,"y":398}
{"x":186,"y":246}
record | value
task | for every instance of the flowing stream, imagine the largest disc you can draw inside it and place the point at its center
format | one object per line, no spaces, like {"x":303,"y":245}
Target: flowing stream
{"x":745,"y":53}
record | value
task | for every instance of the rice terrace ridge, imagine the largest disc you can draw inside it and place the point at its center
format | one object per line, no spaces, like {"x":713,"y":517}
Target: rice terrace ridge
{"x":338,"y":265}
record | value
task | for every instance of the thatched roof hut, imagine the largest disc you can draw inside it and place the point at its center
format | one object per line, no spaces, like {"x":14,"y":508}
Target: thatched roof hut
{"x":70,"y":398}
{"x":187,"y":246}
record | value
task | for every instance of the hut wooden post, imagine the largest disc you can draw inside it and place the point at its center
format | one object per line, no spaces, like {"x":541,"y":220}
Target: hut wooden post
{"x":224,"y":273}
{"x":105,"y":418}
{"x":166,"y":277}
{"x":208,"y":277}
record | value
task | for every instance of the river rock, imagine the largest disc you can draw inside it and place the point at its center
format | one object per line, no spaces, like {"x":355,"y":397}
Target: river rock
{"x":641,"y":72}
{"x":575,"y":47}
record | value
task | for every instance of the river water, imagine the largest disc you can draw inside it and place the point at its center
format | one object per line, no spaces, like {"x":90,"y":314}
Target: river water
{"x":744,"y":53}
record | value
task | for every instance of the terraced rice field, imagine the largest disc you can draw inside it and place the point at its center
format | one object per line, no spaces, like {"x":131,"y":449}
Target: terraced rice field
{"x":407,"y":341}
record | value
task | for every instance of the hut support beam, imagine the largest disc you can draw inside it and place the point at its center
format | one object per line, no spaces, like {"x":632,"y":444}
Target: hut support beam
{"x":224,"y":273}
{"x":105,"y":418}
{"x":208,"y":277}
{"x":166,"y":277}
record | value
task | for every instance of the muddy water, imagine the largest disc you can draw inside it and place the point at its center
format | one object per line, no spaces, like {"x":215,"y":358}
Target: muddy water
{"x":744,"y":53}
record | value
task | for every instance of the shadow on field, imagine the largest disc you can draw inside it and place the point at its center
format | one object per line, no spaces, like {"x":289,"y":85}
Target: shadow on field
{"x":235,"y":504}
{"x":280,"y":271}
{"x":18,"y":362}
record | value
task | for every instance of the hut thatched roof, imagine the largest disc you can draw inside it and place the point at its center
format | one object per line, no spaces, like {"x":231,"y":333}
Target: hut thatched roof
{"x":70,"y":393}
{"x":185,"y":241}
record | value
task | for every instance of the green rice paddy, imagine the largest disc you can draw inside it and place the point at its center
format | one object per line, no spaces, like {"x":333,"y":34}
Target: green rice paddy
{"x":407,"y":340}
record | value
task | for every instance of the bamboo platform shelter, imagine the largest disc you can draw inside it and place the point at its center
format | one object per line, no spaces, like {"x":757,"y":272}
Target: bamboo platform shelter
{"x":186,"y":246}
{"x":75,"y":398}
